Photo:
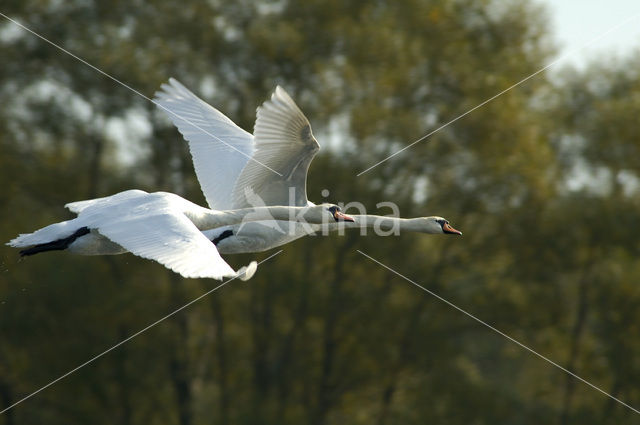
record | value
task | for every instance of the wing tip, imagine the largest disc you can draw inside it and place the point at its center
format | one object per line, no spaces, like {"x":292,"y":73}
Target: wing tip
{"x":170,"y":90}
{"x":14,"y":242}
{"x":280,"y":94}
{"x":22,"y":240}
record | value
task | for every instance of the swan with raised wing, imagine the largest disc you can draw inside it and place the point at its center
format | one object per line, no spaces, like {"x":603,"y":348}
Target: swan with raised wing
{"x":238,"y":170}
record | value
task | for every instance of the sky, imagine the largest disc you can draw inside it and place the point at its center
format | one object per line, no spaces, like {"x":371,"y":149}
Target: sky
{"x":576,"y":22}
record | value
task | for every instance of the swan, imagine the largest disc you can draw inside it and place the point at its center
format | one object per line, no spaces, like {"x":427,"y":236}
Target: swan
{"x":238,"y":170}
{"x":163,"y":227}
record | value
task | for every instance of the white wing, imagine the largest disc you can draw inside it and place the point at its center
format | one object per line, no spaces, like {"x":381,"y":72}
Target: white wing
{"x":78,"y":206}
{"x":67,"y":228}
{"x":151,"y":226}
{"x":284,"y":143}
{"x":219,"y":148}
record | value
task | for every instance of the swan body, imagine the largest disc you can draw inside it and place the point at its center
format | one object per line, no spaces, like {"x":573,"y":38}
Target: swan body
{"x":159,"y":226}
{"x":237,"y":169}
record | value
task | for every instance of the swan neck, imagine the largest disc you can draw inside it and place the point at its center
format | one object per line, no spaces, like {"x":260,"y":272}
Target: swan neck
{"x":387,"y":224}
{"x":208,"y":219}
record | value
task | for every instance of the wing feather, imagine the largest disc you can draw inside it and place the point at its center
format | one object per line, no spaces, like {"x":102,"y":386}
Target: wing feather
{"x":172,"y":240}
{"x":284,"y":143}
{"x":149,"y":225}
{"x":280,"y":152}
{"x":219,"y":148}
{"x":153,"y":226}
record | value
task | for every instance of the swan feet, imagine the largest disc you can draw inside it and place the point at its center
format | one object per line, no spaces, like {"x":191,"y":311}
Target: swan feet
{"x":245,"y":273}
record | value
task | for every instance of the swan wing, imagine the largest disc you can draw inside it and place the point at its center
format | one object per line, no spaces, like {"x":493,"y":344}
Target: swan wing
{"x":170,"y":239}
{"x":285,"y":144}
{"x":219,"y":148}
{"x":153,"y":226}
{"x":149,"y":225}
{"x":66,"y":228}
{"x":78,"y":206}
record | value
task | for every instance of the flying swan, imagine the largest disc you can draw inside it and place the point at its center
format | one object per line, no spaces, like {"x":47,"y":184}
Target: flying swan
{"x":255,"y":186}
{"x":239,"y":170}
{"x":160,"y":226}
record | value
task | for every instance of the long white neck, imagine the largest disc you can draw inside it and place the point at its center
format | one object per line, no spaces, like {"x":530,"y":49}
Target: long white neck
{"x":385,"y":223}
{"x":207,"y":219}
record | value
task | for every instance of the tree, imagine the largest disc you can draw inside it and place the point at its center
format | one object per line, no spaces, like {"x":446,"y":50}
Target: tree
{"x":322,"y":334}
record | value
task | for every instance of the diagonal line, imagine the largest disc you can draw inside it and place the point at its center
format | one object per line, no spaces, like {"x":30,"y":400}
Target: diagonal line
{"x":135,"y":91}
{"x":91,"y":360}
{"x":500,"y":332}
{"x":549,"y":65}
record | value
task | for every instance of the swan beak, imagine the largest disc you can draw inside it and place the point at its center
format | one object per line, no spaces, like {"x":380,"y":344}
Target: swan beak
{"x":450,"y":230}
{"x":340,"y":216}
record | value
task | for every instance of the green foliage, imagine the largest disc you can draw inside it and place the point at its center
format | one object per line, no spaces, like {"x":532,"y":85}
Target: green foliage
{"x":542,"y":181}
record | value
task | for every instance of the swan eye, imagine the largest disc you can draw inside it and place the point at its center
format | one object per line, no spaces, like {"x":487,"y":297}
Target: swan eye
{"x":442,"y":222}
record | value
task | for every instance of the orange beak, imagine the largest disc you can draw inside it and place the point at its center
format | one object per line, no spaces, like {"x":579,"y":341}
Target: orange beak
{"x":450,"y":230}
{"x":340,"y":216}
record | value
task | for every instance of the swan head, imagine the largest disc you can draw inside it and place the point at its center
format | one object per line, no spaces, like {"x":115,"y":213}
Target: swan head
{"x":439,"y":225}
{"x":332,"y":212}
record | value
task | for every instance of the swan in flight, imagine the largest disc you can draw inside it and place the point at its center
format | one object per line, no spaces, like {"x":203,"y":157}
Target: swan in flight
{"x":255,"y":186}
{"x":160,"y":226}
{"x":238,"y":170}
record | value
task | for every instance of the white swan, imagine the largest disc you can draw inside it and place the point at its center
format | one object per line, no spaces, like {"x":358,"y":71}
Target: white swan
{"x":237,"y":170}
{"x":244,"y":179}
{"x":162,"y":227}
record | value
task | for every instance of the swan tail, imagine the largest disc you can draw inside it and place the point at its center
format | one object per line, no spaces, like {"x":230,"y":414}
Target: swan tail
{"x":46,"y":234}
{"x":56,"y":245}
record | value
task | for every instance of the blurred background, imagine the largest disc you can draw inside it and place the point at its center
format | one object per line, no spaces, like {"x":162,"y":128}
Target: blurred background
{"x":543,"y":181}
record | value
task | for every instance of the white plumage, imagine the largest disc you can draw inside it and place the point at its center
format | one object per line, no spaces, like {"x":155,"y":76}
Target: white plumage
{"x":268,"y":168}
{"x":236,"y":170}
{"x":150,"y":225}
{"x":162,"y":227}
{"x":283,"y":143}
{"x":219,"y":148}
{"x":231,"y":163}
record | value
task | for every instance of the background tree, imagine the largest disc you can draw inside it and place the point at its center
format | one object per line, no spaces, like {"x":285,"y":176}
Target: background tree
{"x":543,"y":182}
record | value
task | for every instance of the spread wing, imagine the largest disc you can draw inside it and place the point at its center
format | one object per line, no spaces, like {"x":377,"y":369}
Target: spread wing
{"x":172,"y":240}
{"x":78,"y":206}
{"x":151,"y":226}
{"x":219,"y":148}
{"x":283,"y":143}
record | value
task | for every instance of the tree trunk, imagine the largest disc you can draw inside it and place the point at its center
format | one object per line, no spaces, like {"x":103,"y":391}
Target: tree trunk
{"x":123,"y":393}
{"x":288,"y":345}
{"x":221,"y":354}
{"x":574,"y":351}
{"x":326,"y":387}
{"x":178,"y":361}
{"x":124,"y":396}
{"x":6,"y":395}
{"x":95,"y":159}
{"x":261,"y":319}
{"x":405,"y":341}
